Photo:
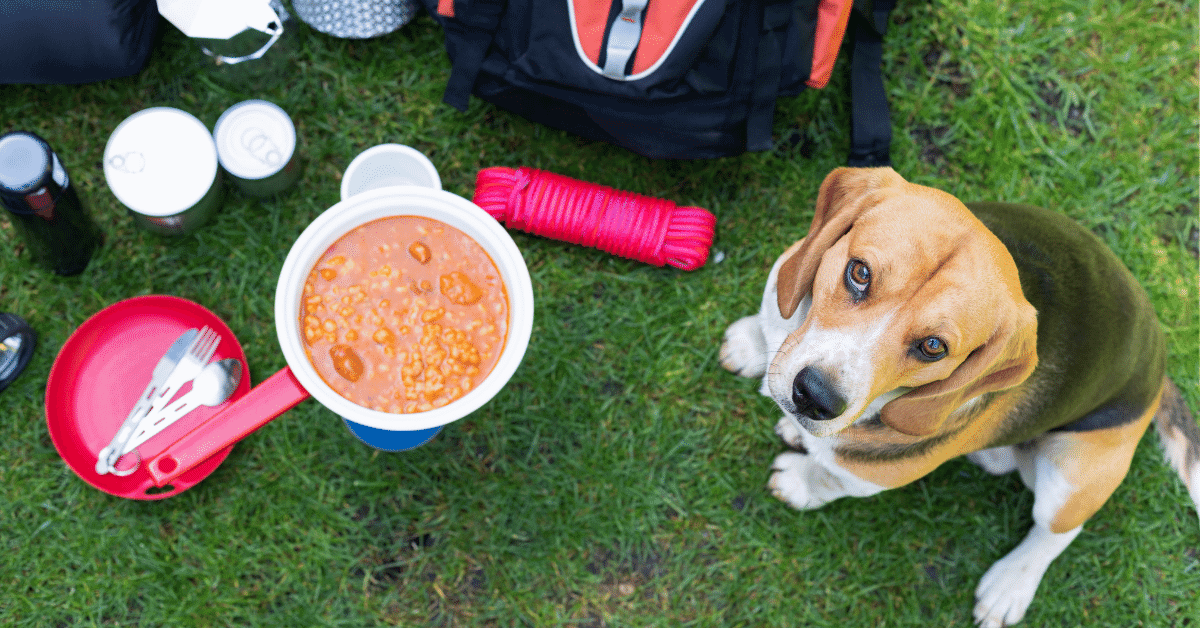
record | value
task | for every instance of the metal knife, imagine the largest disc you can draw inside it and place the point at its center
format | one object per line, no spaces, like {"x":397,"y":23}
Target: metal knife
{"x":110,"y":454}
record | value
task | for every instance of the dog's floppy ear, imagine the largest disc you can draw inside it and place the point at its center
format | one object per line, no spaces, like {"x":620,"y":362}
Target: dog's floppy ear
{"x":840,"y":201}
{"x":1004,"y":361}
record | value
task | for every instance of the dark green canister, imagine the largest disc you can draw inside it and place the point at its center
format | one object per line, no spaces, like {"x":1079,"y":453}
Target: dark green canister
{"x":43,"y":205}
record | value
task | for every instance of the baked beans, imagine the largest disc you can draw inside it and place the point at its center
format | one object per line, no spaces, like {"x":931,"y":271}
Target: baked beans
{"x":404,"y":314}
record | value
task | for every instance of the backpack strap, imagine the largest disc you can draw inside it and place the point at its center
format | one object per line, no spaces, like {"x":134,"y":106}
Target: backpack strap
{"x":479,"y":20}
{"x":870,"y":118}
{"x":624,"y":37}
{"x":769,"y":64}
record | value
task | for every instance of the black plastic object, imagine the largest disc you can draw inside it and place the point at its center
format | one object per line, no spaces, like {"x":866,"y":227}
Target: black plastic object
{"x":17,"y":340}
{"x":75,"y":41}
{"x":870,"y":116}
{"x":43,"y":205}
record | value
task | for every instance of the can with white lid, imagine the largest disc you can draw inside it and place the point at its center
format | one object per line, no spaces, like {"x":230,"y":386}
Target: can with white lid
{"x":256,"y":145}
{"x":161,"y":163}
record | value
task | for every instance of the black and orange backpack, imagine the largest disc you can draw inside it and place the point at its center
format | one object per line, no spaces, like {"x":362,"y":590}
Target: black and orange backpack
{"x":680,"y":79}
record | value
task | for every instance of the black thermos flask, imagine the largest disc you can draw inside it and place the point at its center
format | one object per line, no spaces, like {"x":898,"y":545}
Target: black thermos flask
{"x":43,"y":206}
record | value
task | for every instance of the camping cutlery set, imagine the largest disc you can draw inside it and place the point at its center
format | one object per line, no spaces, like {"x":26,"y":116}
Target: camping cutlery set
{"x":186,"y":360}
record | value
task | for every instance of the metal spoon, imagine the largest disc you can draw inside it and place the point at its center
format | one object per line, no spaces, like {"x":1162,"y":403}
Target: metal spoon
{"x":212,"y":387}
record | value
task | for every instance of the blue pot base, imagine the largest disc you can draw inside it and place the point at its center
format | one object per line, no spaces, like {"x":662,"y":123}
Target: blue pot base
{"x":388,"y":440}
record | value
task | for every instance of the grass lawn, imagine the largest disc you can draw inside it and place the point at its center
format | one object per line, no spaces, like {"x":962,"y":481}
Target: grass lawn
{"x":619,"y":479}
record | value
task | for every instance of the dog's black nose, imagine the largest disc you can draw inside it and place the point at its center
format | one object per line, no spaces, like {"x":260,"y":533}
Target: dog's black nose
{"x":814,"y":397}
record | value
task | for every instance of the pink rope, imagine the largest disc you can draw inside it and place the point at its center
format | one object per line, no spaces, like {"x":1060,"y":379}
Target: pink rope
{"x":650,"y":230}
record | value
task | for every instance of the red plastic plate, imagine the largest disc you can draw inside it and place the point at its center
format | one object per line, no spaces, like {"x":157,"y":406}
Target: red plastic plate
{"x":99,"y":374}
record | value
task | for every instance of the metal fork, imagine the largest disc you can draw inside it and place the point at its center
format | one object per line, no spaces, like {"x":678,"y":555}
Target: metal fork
{"x":190,"y":365}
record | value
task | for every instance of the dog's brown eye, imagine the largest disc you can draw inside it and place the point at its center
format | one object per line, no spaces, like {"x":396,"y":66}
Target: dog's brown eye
{"x":858,"y":278}
{"x":933,"y":348}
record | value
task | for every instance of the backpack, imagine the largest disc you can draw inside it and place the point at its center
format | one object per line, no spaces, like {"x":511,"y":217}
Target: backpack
{"x":677,"y":79}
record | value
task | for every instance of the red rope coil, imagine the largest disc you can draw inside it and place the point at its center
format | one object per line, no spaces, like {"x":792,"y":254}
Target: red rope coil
{"x":650,"y":230}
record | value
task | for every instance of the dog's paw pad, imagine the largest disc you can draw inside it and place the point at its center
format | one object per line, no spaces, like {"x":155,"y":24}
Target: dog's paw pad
{"x":744,"y":350}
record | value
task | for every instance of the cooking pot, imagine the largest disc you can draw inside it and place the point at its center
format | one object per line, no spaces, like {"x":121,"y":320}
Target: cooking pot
{"x":299,"y":380}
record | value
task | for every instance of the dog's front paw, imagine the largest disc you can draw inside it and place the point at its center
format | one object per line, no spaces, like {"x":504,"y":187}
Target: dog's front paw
{"x":744,"y":350}
{"x":792,"y":481}
{"x":1004,"y":594}
{"x":1006,"y":590}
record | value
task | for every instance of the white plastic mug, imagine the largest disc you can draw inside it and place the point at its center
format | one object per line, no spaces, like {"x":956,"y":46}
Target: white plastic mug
{"x":388,"y":165}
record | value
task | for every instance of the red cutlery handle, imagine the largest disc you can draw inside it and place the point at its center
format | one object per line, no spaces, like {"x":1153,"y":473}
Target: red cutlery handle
{"x":274,"y":396}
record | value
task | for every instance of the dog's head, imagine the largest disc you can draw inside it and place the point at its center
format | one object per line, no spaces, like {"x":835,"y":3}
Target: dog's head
{"x":916,"y":308}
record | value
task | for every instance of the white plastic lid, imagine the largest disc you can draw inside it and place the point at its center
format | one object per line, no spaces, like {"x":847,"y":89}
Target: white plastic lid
{"x":23,"y":161}
{"x":255,"y":139}
{"x":160,"y":161}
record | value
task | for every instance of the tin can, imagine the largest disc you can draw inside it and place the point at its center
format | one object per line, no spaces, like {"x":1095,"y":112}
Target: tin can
{"x":256,"y":144}
{"x":43,"y":205}
{"x":161,"y":163}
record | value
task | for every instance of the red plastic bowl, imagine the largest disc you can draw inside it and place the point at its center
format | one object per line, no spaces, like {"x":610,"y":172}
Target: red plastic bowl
{"x":99,"y":374}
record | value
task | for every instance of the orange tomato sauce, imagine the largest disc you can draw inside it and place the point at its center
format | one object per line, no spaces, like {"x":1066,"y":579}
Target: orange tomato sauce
{"x":404,"y":314}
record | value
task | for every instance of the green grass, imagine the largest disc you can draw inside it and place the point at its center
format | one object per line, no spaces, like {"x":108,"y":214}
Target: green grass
{"x":619,"y":478}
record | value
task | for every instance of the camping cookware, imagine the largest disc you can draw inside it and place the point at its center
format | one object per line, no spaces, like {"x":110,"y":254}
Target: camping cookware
{"x":388,"y":165}
{"x":356,"y":19}
{"x":299,"y":380}
{"x":231,"y":32}
{"x":99,"y":375}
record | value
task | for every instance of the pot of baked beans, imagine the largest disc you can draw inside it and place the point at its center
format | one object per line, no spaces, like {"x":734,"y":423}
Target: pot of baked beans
{"x":400,"y":310}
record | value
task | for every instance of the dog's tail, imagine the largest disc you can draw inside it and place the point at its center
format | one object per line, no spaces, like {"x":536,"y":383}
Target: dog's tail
{"x":1180,"y":439}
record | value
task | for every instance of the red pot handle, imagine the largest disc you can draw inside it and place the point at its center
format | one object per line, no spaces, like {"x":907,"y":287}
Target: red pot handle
{"x":274,"y":396}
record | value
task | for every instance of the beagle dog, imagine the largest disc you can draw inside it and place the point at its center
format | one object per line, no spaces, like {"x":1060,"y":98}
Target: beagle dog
{"x":907,"y":329}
